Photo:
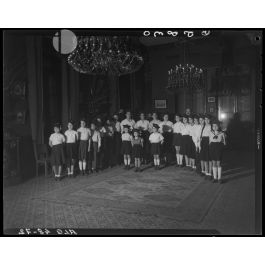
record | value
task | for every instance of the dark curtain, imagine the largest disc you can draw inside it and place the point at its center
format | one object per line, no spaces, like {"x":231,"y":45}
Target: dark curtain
{"x":70,"y":94}
{"x":35,"y":86}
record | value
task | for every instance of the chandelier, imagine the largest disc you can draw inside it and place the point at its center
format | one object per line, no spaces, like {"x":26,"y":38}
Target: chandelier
{"x":105,"y":55}
{"x":185,"y":76}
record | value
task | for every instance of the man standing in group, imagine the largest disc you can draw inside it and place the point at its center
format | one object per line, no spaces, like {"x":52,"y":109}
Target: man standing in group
{"x":188,"y":112}
{"x":128,"y":121}
{"x":121,"y":115}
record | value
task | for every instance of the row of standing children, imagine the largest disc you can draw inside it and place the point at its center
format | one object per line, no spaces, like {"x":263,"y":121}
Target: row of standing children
{"x":198,"y":144}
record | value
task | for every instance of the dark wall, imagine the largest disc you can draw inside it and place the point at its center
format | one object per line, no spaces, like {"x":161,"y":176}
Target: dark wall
{"x":224,"y":50}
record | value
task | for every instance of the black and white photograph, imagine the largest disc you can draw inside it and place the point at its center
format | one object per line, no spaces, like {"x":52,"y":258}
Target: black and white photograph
{"x":132,"y":131}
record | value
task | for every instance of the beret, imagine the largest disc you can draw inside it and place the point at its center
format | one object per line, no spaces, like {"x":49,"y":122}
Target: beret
{"x":156,"y":126}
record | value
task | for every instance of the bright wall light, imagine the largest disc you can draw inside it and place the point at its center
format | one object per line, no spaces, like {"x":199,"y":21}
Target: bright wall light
{"x":222,"y":116}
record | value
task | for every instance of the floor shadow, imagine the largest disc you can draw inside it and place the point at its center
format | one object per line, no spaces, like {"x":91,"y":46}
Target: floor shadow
{"x":163,"y":166}
{"x":146,"y":167}
{"x":231,"y":171}
{"x":233,"y":178}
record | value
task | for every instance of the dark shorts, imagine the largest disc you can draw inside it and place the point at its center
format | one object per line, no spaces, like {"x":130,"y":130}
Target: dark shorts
{"x":192,"y":150}
{"x":167,"y":145}
{"x":57,"y":155}
{"x":216,"y":151}
{"x":155,"y":149}
{"x":71,"y":153}
{"x":126,"y":148}
{"x":83,"y":150}
{"x":185,"y":142}
{"x":176,"y":139}
{"x":205,"y":154}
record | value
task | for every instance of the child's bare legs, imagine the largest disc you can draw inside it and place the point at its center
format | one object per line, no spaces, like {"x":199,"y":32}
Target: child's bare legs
{"x":180,"y":159}
{"x":177,"y":154}
{"x":59,"y":170}
{"x":72,"y":167}
{"x":186,"y":160}
{"x":192,"y":163}
{"x":80,"y":165}
{"x":84,"y":165}
{"x":54,"y":171}
{"x":155,"y":163}
{"x":125,"y":160}
{"x":206,"y":164}
{"x":158,"y":160}
{"x":69,"y":168}
{"x":202,"y":167}
{"x":214,"y":163}
{"x":137,"y":163}
{"x":210,"y":168}
{"x":219,"y":171}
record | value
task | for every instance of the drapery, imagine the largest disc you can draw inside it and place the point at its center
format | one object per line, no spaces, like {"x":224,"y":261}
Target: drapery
{"x":35,"y":87}
{"x":70,"y":94}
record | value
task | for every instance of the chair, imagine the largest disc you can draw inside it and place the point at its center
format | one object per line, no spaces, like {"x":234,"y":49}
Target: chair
{"x":42,"y":157}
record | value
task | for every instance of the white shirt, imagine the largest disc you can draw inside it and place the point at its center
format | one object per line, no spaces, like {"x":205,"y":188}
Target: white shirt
{"x":186,"y":129}
{"x":166,"y":126}
{"x":220,"y":137}
{"x":117,"y":126}
{"x":206,"y":130}
{"x":96,"y":137}
{"x":131,"y":123}
{"x":195,"y":133}
{"x":57,"y":138}
{"x":85,"y":133}
{"x":71,"y":136}
{"x":151,"y":123}
{"x":177,"y":127}
{"x":142,"y":123}
{"x":156,"y":137}
{"x":126,"y":137}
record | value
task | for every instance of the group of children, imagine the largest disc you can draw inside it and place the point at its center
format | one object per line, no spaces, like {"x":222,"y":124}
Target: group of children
{"x":197,"y":141}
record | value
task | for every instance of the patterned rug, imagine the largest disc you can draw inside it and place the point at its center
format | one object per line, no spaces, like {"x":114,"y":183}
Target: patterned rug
{"x":172,"y":192}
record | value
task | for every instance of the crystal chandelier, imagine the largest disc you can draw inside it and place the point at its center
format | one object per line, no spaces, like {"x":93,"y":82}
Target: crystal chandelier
{"x":185,"y":76}
{"x":105,"y":55}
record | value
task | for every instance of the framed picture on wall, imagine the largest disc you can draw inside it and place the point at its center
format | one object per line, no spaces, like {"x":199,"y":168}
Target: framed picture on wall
{"x":211,"y":99}
{"x":160,"y":103}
